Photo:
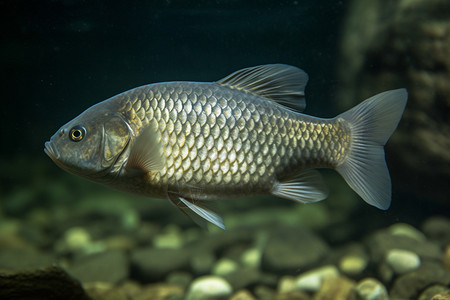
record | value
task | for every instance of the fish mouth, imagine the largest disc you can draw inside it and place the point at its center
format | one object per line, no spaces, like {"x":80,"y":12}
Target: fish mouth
{"x":51,"y":151}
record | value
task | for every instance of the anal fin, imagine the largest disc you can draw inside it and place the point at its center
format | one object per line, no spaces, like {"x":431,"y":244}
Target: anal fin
{"x":306,"y":187}
{"x":196,"y":210}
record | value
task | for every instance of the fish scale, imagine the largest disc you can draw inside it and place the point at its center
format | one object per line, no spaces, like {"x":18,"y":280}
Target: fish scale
{"x":241,"y":144}
{"x":243,"y":135}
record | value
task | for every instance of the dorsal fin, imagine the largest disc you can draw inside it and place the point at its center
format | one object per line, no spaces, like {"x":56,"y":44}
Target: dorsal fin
{"x":280,"y":83}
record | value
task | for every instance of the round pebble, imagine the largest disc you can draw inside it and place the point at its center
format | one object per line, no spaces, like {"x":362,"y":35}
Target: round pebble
{"x":251,"y":258}
{"x":402,"y":261}
{"x":209,"y":287}
{"x":225,"y":266}
{"x":286,"y":284}
{"x":76,"y":238}
{"x":312,"y":280}
{"x":371,"y":289}
{"x":407,"y":230}
{"x":353,"y":264}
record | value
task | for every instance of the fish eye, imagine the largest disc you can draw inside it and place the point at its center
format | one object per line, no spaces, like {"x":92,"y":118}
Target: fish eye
{"x":77,"y":133}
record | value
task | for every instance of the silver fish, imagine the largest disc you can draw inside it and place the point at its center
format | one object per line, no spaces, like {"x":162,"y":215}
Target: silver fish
{"x":192,"y":142}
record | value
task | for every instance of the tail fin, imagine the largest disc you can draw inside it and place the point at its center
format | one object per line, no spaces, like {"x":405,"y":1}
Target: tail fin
{"x":372,"y":122}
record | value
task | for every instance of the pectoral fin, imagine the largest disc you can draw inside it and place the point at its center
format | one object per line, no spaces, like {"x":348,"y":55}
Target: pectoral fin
{"x":196,"y":211}
{"x":146,"y":152}
{"x":306,"y":187}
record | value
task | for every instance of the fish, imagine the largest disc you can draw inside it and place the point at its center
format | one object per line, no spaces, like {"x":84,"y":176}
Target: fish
{"x":244,"y":135}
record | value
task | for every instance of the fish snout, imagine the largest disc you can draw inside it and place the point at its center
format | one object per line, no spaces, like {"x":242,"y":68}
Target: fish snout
{"x":51,"y":150}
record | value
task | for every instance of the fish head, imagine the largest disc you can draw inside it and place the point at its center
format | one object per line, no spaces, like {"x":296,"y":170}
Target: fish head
{"x":93,"y":145}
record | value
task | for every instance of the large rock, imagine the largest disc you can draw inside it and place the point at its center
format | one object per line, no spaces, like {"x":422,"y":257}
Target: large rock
{"x":393,"y":44}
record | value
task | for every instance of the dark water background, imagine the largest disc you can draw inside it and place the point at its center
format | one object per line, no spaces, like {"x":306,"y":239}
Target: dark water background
{"x":58,"y":58}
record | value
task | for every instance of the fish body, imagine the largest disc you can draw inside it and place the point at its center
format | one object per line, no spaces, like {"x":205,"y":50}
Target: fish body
{"x":243,"y":135}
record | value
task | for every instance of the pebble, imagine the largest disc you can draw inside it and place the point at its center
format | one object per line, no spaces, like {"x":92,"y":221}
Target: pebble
{"x":149,"y":264}
{"x":110,"y":266}
{"x":286,"y":284}
{"x":409,"y":285}
{"x":289,"y":249}
{"x":75,"y":239}
{"x":437,"y":229}
{"x":170,"y":239}
{"x":242,"y":295}
{"x":353,"y":265}
{"x":402,"y":261}
{"x":225,"y":266}
{"x":251,"y":258}
{"x":179,"y":278}
{"x":407,"y":230}
{"x":431,"y":291}
{"x":209,"y":288}
{"x":24,"y":259}
{"x":202,"y":263}
{"x":442,"y":296}
{"x":382,"y":241}
{"x":311,"y":281}
{"x":246,"y":278}
{"x":446,"y":258}
{"x":371,"y":289}
{"x":336,"y":288}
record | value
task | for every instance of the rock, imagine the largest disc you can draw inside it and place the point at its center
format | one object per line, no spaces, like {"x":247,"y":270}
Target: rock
{"x":353,"y":264}
{"x":429,"y":292}
{"x":406,"y":230}
{"x":202,"y":263}
{"x":411,"y":50}
{"x":437,"y":229}
{"x":160,"y":291}
{"x":246,"y":278}
{"x":121,"y":242}
{"x":286,"y":284}
{"x":107,"y":291}
{"x":385,"y":272}
{"x":264,"y":293}
{"x":170,"y":239}
{"x":76,"y":239}
{"x":242,"y":295}
{"x":148,"y":264}
{"x":251,"y":258}
{"x":290,"y":249}
{"x":221,"y":240}
{"x":446,"y":258}
{"x":182,"y":279}
{"x":24,"y":259}
{"x":209,"y":288}
{"x":311,"y":281}
{"x":10,"y":236}
{"x":371,"y":289}
{"x":336,"y":288}
{"x":42,"y":284}
{"x":225,"y":266}
{"x":293,"y":295}
{"x":402,"y":261}
{"x":382,"y":241}
{"x":442,"y":296}
{"x":408,"y":286}
{"x":109,"y":266}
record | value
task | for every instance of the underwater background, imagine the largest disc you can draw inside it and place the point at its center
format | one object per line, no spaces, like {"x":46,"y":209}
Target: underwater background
{"x":58,"y":58}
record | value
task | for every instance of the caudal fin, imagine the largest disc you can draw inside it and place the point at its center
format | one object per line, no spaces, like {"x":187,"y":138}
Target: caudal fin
{"x":372,"y":122}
